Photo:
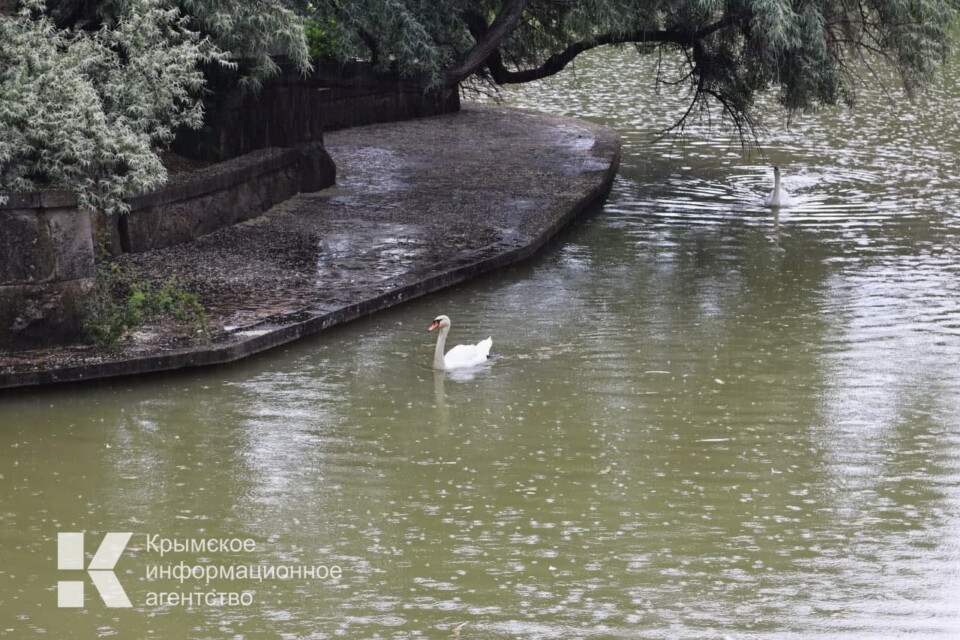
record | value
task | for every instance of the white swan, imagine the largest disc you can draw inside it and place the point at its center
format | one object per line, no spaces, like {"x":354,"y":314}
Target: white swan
{"x":462,"y":355}
{"x":777,"y":198}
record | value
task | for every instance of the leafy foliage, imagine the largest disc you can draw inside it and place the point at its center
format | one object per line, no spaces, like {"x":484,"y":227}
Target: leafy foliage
{"x":322,"y":38}
{"x":86,"y":107}
{"x":813,"y":52}
{"x":253,"y":30}
{"x":89,"y":91}
{"x":125,"y":301}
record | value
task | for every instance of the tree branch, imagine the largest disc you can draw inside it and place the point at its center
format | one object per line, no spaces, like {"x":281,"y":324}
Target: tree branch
{"x":371,"y":45}
{"x":558,"y":61}
{"x":502,"y":26}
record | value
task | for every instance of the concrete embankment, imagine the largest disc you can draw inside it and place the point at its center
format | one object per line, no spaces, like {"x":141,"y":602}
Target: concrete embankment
{"x":419,"y":205}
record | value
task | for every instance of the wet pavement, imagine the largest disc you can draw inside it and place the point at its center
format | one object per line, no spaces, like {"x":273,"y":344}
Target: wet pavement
{"x":418,"y":205}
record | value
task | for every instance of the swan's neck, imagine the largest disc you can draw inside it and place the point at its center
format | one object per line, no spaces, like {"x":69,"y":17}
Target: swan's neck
{"x":438,"y":362}
{"x":776,"y":186}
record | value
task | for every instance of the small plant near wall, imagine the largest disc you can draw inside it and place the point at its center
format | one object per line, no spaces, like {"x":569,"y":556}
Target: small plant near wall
{"x":125,"y":300}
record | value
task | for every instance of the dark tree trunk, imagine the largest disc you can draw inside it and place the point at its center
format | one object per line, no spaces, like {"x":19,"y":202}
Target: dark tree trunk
{"x":502,"y":26}
{"x":74,"y":13}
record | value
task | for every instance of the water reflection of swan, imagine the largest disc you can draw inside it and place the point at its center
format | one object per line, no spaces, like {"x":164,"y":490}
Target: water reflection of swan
{"x":462,"y":355}
{"x":777,"y":198}
{"x":440,"y":402}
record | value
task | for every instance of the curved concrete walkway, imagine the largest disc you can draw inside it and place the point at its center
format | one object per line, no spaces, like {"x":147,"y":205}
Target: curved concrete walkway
{"x":419,"y":205}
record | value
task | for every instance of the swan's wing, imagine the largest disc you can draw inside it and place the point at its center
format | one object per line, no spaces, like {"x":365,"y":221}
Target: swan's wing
{"x":468,"y":355}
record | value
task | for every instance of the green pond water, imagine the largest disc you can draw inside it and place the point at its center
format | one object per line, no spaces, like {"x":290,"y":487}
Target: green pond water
{"x":705,"y":421}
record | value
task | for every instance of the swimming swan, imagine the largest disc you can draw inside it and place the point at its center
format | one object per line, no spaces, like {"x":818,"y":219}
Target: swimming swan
{"x":777,"y":198}
{"x":462,"y":355}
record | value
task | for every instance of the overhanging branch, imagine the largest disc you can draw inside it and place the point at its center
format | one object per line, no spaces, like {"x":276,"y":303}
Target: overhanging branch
{"x":500,"y":74}
{"x":558,"y":61}
{"x":501,"y":27}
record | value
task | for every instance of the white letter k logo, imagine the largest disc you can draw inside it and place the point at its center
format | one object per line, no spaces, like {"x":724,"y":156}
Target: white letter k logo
{"x":70,"y":557}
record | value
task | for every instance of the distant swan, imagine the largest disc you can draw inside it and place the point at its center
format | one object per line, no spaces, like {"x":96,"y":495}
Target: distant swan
{"x":462,"y":355}
{"x":777,"y":198}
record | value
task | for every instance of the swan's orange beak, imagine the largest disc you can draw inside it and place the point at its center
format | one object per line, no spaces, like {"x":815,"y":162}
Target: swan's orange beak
{"x":433,"y":326}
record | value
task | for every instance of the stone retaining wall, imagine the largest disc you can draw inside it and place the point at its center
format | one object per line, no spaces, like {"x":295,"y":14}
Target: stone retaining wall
{"x":352,"y":95}
{"x":47,"y":269}
{"x":294,"y":109}
{"x":224,"y":194}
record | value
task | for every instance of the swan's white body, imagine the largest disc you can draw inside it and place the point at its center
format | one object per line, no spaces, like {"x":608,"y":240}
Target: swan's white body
{"x":462,"y":355}
{"x":778,"y":197}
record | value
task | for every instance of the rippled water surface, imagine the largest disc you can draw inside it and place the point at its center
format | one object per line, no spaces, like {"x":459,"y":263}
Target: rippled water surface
{"x":705,"y":420}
